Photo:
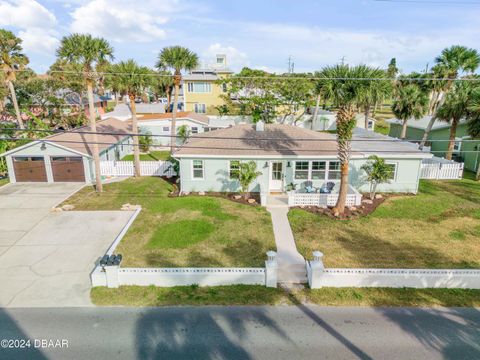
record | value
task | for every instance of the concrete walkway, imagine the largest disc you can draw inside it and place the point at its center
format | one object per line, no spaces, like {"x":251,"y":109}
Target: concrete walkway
{"x":291,"y":265}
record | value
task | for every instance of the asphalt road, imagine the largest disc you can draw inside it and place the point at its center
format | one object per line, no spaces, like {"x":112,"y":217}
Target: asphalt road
{"x":242,"y":333}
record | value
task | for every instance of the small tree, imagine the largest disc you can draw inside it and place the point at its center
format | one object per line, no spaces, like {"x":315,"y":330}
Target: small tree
{"x":184,"y":133}
{"x":246,"y":174}
{"x":378,"y":172}
{"x":145,"y":141}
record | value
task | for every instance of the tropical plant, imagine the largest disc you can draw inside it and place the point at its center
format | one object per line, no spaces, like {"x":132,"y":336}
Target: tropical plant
{"x":222,"y":110}
{"x":145,"y":141}
{"x":247,"y":173}
{"x":132,"y":79}
{"x":178,"y":59}
{"x":184,"y":133}
{"x":378,"y":172}
{"x":452,"y":62}
{"x":162,"y":85}
{"x":473,"y":124}
{"x":410,"y":102}
{"x":84,"y":52}
{"x":12,"y":60}
{"x":392,"y":70}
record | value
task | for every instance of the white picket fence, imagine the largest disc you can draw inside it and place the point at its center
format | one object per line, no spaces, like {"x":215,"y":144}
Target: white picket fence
{"x":441,"y":169}
{"x":147,"y":168}
{"x":354,"y":198}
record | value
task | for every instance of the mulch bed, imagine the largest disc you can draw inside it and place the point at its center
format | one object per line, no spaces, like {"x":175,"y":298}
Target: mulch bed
{"x":350,"y":212}
{"x":224,"y":195}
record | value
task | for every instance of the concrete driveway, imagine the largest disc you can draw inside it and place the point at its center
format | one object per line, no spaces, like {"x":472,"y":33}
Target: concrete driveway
{"x":46,"y":257}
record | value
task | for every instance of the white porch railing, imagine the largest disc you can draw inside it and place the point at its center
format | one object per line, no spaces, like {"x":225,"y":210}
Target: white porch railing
{"x":441,"y":169}
{"x":354,"y":198}
{"x":126,"y":168}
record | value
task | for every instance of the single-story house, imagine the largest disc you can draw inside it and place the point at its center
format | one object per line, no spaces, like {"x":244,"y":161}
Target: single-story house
{"x":287,"y":155}
{"x":67,"y":156}
{"x":467,"y":152}
{"x":327,"y":121}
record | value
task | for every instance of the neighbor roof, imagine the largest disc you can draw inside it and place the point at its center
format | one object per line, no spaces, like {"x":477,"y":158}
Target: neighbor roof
{"x":180,"y":115}
{"x":82,"y":143}
{"x":285,"y":140}
{"x":422,"y":123}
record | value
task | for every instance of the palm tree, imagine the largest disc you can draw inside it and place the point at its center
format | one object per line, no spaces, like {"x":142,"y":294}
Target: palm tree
{"x":452,"y":62}
{"x":178,"y":59}
{"x":344,"y":89}
{"x":457,"y":105}
{"x":162,"y":85}
{"x":11,"y":60}
{"x":473,"y":117}
{"x":87,"y":51}
{"x":410,"y":102}
{"x":132,"y":79}
{"x":375,"y":91}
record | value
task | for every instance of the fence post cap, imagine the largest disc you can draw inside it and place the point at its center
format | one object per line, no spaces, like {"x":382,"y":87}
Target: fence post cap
{"x":317,"y":255}
{"x":271,"y":255}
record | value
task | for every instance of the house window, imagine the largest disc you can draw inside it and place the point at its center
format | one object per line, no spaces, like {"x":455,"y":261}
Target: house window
{"x":194,"y":130}
{"x":234,"y":169}
{"x":197,"y":169}
{"x":199,"y":87}
{"x":200,"y":108}
{"x":319,"y":170}
{"x":458,"y":144}
{"x":334,"y":170}
{"x":166,"y":129}
{"x":301,"y":170}
{"x":370,"y":124}
{"x":393,"y":173}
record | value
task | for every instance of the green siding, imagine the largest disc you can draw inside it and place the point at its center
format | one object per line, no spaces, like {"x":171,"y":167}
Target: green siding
{"x":470,"y":152}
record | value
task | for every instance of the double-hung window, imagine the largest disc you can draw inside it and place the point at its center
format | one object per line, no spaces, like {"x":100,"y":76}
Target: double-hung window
{"x":334,"y":170}
{"x":199,"y":87}
{"x":194,"y":130}
{"x":234,"y":169}
{"x":301,"y":170}
{"x":166,"y":128}
{"x":319,"y":170}
{"x":200,"y":108}
{"x":393,"y":171}
{"x":197,"y":169}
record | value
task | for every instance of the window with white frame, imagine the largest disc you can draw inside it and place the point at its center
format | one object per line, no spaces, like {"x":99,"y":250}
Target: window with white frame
{"x":200,"y":108}
{"x":234,"y":169}
{"x":319,"y":170}
{"x":301,"y":170}
{"x":166,"y":128}
{"x":393,"y":170}
{"x":197,"y":169}
{"x":199,"y":87}
{"x":194,"y":130}
{"x":334,"y":170}
{"x":458,"y":144}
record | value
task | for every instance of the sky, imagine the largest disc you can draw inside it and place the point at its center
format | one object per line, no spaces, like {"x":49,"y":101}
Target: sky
{"x":260,"y":34}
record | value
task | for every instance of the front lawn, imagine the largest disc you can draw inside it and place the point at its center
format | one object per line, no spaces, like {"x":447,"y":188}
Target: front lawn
{"x":192,"y":231}
{"x":151,"y":156}
{"x":438,"y":228}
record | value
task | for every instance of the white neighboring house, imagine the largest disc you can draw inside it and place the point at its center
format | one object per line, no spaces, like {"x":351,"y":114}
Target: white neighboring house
{"x":326,"y":121}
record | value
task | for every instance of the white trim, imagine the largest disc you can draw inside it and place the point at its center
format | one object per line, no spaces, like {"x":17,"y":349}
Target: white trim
{"x":152,"y":122}
{"x":270,"y":173}
{"x":46,"y":142}
{"x":306,"y":157}
{"x":230,"y":168}
{"x":203,"y":170}
{"x":396,"y":169}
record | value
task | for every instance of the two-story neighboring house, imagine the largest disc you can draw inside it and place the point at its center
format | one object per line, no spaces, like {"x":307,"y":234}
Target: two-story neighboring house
{"x":201,"y":92}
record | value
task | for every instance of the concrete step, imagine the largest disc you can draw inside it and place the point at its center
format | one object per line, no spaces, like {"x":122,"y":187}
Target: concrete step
{"x":292,"y":273}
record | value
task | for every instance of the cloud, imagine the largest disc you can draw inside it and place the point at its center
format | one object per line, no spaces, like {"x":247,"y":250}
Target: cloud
{"x":124,"y":20}
{"x":35,"y":23}
{"x":235,"y":58}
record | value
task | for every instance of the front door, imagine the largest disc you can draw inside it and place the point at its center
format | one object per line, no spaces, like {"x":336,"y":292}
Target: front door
{"x":276,"y":176}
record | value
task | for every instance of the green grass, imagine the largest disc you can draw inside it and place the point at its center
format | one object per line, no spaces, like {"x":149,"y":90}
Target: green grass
{"x":260,"y":295}
{"x":151,"y":156}
{"x":4,"y":181}
{"x":382,"y":114}
{"x":438,"y":228}
{"x":191,"y":231}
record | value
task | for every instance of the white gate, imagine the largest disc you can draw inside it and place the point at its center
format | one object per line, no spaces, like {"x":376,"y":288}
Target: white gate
{"x":147,"y":168}
{"x":441,"y":169}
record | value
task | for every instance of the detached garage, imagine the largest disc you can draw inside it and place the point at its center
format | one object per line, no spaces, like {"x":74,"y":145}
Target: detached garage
{"x":67,"y":156}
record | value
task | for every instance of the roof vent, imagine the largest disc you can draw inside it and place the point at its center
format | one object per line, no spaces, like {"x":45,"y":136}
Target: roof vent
{"x":260,"y":126}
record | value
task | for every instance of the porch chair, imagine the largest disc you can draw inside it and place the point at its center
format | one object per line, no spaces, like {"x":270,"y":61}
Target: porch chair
{"x":309,"y":187}
{"x":327,"y":188}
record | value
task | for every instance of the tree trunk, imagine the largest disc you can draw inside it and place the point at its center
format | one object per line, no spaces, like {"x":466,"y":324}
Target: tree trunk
{"x":117,"y":95}
{"x":15,"y":105}
{"x":315,"y":113}
{"x":169,"y":98}
{"x":451,"y":142}
{"x":136,"y":148}
{"x":93,"y":125}
{"x":403,"y":135}
{"x":426,"y":133}
{"x":342,"y":193}
{"x":477,"y":175}
{"x":367,"y":115}
{"x":173,"y":133}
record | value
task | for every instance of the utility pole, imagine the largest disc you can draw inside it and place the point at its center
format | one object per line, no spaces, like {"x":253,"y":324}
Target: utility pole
{"x":342,"y":60}
{"x":291,"y":65}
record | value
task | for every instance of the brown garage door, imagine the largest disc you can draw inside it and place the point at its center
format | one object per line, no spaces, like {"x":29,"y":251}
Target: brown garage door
{"x":68,"y":168}
{"x":29,"y":168}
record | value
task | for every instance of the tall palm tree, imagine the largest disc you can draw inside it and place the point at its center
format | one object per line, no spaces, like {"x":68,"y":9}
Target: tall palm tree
{"x":87,"y":51}
{"x":344,"y":89}
{"x":178,"y":59}
{"x":132,"y":79}
{"x":375,"y":91}
{"x":452,"y":62}
{"x":11,"y":60}
{"x":473,"y":117}
{"x":457,"y":105}
{"x":410,"y":102}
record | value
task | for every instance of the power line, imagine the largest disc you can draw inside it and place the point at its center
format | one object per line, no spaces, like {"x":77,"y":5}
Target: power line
{"x":199,"y":136}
